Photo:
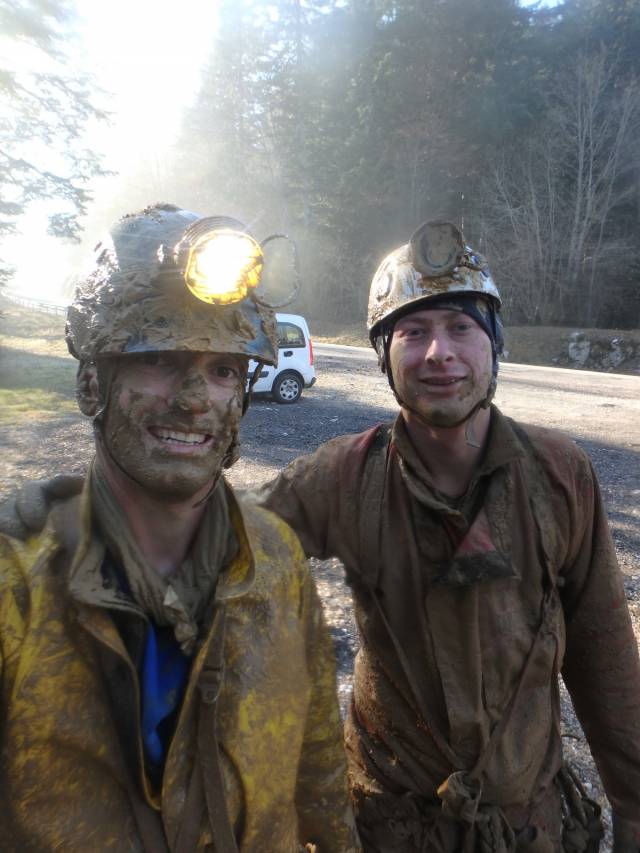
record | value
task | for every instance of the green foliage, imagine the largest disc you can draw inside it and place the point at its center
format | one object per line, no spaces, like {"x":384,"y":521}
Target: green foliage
{"x":37,"y":375}
{"x":348,"y":123}
{"x":43,"y":115}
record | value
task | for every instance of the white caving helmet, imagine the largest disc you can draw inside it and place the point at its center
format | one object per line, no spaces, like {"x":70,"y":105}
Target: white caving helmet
{"x":436,"y":268}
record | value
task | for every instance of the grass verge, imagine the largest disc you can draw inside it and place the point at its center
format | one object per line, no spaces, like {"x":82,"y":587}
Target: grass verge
{"x":37,"y":375}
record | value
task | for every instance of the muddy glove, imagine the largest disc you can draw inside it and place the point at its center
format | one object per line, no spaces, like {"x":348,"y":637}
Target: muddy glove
{"x":25,"y":513}
{"x":626,"y":835}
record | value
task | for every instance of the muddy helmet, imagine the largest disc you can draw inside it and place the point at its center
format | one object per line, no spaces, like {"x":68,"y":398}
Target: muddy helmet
{"x":434,"y":264}
{"x":143,"y":292}
{"x":436,"y":268}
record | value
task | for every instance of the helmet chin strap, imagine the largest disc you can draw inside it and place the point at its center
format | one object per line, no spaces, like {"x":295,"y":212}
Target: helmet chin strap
{"x":104,"y":452}
{"x":468,"y":420}
{"x":253,"y":378}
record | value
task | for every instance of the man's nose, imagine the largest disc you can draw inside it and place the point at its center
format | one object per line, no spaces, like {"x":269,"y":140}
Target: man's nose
{"x":438,"y":348}
{"x":193,"y":394}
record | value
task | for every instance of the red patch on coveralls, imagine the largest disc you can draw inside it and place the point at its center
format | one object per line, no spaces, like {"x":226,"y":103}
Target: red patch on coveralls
{"x":478,"y":537}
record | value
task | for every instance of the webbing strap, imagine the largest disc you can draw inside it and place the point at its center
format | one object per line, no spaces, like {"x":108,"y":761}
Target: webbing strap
{"x":148,"y":821}
{"x":373,"y":502}
{"x":206,"y":777}
{"x":210,"y":683}
{"x":505,"y":717}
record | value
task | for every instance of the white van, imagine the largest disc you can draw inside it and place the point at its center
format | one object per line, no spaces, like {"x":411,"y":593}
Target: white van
{"x":295,"y":362}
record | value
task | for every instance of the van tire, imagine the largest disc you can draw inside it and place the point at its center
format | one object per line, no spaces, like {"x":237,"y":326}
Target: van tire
{"x":288,"y":387}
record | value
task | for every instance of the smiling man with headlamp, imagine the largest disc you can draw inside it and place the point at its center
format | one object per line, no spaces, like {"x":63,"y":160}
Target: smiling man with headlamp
{"x":168,"y":680}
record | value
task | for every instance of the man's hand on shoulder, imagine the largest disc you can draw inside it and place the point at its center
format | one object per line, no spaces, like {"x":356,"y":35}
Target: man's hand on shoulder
{"x":24,"y":513}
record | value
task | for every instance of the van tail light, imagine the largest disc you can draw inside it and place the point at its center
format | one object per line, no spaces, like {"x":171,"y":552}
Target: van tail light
{"x":310,"y":353}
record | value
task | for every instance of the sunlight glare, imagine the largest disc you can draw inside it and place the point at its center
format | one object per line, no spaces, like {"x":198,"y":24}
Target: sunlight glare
{"x":147,"y":58}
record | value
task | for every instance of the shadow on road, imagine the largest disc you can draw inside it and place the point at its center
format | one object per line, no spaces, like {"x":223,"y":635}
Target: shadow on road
{"x":20,"y":368}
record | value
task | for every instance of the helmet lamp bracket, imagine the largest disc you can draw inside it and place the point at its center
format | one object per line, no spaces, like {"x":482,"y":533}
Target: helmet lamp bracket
{"x":295,"y":282}
{"x":436,"y":248}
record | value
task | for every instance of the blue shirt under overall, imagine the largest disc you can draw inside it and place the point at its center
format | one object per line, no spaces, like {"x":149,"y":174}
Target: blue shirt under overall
{"x":165,"y":670}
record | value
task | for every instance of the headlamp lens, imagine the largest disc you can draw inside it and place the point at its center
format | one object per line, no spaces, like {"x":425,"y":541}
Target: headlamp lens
{"x":223,"y":266}
{"x":436,"y":248}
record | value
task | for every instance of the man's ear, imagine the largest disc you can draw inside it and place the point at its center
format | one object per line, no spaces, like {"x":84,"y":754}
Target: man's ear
{"x":87,"y":388}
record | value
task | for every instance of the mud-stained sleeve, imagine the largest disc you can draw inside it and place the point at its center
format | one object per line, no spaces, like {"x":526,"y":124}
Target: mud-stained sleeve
{"x":322,"y":801}
{"x":602,"y":668}
{"x":11,"y":522}
{"x":24,"y":513}
{"x":317,"y":496}
{"x":14,"y":603}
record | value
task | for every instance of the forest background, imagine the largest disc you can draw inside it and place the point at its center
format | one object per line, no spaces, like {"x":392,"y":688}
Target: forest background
{"x":346,"y":123}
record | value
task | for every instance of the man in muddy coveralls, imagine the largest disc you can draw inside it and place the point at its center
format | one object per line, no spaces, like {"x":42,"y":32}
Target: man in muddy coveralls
{"x":167,"y":679}
{"x":482,"y":566}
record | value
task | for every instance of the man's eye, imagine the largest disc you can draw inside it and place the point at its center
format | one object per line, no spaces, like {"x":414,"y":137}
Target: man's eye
{"x":151,"y":359}
{"x":224,"y":371}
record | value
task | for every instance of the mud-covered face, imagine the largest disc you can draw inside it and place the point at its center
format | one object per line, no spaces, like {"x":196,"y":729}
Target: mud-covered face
{"x":171,"y":418}
{"x":441,"y":363}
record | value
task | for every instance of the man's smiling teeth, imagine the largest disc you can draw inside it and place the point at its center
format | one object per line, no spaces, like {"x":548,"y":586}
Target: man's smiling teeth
{"x":182,"y":437}
{"x":443,"y":381}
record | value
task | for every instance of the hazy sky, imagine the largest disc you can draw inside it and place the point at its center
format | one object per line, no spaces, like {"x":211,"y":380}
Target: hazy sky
{"x":148,"y":56}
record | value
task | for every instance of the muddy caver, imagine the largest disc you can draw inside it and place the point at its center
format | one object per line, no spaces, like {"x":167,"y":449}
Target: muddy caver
{"x":167,"y":678}
{"x":482,"y":566}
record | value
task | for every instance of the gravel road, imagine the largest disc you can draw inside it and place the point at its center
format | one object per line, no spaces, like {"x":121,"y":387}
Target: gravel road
{"x":600,"y":411}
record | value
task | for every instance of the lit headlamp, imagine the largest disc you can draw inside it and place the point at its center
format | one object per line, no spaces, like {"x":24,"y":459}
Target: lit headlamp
{"x":223,"y":266}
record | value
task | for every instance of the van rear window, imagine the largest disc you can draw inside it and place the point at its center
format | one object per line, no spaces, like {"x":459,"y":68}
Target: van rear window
{"x":290,"y":335}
